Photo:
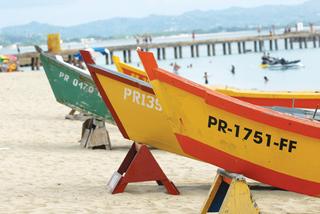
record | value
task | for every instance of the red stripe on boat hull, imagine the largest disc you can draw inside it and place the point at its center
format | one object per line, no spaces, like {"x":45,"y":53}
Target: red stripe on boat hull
{"x":234,"y":164}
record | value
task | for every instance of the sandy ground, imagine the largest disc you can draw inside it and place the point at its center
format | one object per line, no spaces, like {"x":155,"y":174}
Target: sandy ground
{"x":43,"y":169}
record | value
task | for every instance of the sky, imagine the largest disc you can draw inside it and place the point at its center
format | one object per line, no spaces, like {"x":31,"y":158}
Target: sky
{"x":73,"y":12}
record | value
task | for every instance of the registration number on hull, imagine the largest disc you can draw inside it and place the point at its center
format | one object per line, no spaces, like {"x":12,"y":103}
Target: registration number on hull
{"x":141,"y":99}
{"x":251,"y":135}
{"x":77,"y":83}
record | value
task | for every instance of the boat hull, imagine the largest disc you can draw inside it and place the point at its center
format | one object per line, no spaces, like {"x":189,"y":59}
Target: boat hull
{"x":136,"y":109}
{"x":73,"y":88}
{"x":240,"y":137}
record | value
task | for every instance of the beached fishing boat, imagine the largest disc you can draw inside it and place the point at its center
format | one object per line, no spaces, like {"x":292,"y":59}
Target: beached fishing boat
{"x":289,"y":99}
{"x":240,"y":137}
{"x":74,"y":87}
{"x":134,"y":107}
{"x":140,"y":117}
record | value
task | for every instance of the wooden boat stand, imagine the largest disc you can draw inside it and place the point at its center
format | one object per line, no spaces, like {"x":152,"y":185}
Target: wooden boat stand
{"x":95,"y":135}
{"x":139,"y":165}
{"x":73,"y":116}
{"x":229,"y":194}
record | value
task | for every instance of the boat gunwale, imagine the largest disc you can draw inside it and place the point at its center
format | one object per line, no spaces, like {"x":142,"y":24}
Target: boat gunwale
{"x":64,"y":64}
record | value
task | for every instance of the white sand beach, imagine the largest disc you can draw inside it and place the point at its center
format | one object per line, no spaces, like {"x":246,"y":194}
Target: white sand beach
{"x":43,"y":169}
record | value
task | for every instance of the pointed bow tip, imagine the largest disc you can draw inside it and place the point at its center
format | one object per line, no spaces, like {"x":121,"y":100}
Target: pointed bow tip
{"x":149,"y":63}
{"x":87,"y":58}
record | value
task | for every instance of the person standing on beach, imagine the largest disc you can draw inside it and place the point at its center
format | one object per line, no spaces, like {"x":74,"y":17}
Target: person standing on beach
{"x":206,"y":76}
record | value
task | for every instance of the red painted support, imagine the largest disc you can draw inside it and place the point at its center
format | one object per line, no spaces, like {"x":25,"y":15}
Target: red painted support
{"x":139,"y":165}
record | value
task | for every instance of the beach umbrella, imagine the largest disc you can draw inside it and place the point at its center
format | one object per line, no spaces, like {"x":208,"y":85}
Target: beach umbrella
{"x":3,"y":58}
{"x":6,"y":58}
{"x":95,"y":52}
{"x":11,"y":57}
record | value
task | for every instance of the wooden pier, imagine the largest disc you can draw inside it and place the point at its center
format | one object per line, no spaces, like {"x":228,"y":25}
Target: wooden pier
{"x":260,"y":43}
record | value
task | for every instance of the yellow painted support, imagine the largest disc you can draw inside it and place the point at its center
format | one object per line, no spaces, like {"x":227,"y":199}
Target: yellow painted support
{"x":229,"y":194}
{"x":238,"y":199}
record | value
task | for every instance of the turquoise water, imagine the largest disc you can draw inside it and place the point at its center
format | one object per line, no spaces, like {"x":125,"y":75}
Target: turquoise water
{"x":248,"y":74}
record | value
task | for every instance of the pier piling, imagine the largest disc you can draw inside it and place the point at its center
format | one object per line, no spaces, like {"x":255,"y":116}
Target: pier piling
{"x":197,"y":50}
{"x":276,"y":44}
{"x":270,"y":45}
{"x":229,"y":48}
{"x":300,"y":43}
{"x":214,"y":49}
{"x":239,"y":48}
{"x":261,"y":45}
{"x":291,"y":43}
{"x":129,"y":56}
{"x":163,"y":53}
{"x":192,"y":51}
{"x":244,"y":47}
{"x":107,"y":59}
{"x":224,"y":48}
{"x":158,"y":54}
{"x":111,"y":57}
{"x":125,"y":56}
{"x":175,"y":52}
{"x":286,"y":44}
{"x":305,"y":41}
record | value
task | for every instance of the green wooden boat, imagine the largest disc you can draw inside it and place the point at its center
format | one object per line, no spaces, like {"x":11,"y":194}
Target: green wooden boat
{"x":74,"y":87}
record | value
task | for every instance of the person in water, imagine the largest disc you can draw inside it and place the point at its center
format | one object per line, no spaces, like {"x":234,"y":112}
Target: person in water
{"x":233,"y":69}
{"x":266,"y":79}
{"x":176,"y":68}
{"x":206,"y":76}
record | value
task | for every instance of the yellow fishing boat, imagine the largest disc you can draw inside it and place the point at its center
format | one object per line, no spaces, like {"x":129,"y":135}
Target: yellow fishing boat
{"x":129,"y":70}
{"x":243,"y":138}
{"x":134,"y":107}
{"x":289,"y":99}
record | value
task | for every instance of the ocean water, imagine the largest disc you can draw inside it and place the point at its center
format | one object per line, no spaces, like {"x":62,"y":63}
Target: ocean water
{"x":248,"y":74}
